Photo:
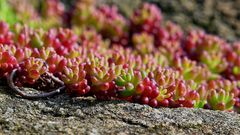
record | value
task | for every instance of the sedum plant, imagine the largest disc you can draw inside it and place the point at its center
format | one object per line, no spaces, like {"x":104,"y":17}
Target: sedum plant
{"x":98,"y":52}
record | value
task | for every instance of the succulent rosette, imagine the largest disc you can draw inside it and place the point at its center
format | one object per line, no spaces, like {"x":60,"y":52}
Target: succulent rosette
{"x":233,"y":58}
{"x":146,"y":18}
{"x":114,"y":26}
{"x":174,"y":92}
{"x":127,"y":82}
{"x":220,"y":100}
{"x":6,"y":36}
{"x":224,"y":94}
{"x":74,"y":78}
{"x":105,"y":19}
{"x":101,"y":75}
{"x":143,"y":43}
{"x":209,"y":50}
{"x":191,"y":71}
{"x":30,"y":70}
{"x":7,"y":63}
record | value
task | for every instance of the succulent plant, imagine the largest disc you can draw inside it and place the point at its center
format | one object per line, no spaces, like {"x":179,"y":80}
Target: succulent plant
{"x":30,"y":70}
{"x":147,"y":18}
{"x":191,"y":71}
{"x":74,"y":78}
{"x":105,"y":19}
{"x":220,"y":100}
{"x":7,"y":63}
{"x":101,"y":75}
{"x":98,"y":52}
{"x":222,"y":94}
{"x":6,"y":36}
{"x":128,"y":82}
{"x":143,"y":43}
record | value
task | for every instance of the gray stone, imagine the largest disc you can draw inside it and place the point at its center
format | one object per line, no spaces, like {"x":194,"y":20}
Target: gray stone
{"x":65,"y":115}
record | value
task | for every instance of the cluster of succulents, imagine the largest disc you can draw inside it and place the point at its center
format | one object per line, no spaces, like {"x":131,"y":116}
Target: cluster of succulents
{"x":143,"y":59}
{"x":37,"y":13}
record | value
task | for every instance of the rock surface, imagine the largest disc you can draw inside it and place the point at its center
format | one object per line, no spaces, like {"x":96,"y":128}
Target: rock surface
{"x":64,"y":115}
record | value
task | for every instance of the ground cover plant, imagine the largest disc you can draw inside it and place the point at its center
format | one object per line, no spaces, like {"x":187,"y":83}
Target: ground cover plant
{"x":95,"y":51}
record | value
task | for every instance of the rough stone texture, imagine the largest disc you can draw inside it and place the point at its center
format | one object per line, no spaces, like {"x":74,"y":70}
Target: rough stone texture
{"x":64,"y":115}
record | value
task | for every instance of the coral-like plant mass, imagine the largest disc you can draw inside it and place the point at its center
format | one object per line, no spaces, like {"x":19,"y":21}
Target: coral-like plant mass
{"x":141,"y":59}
